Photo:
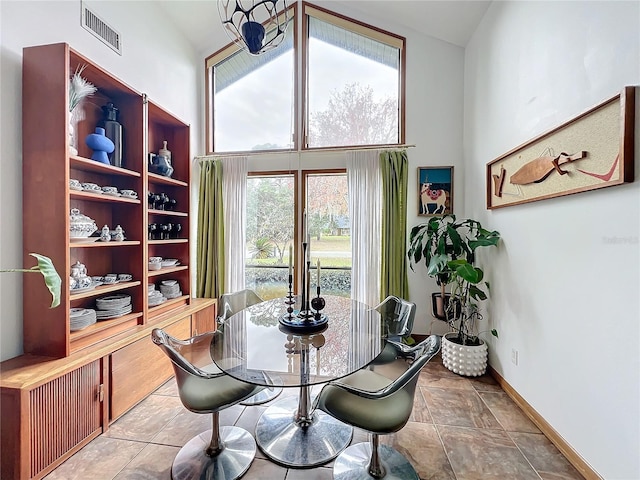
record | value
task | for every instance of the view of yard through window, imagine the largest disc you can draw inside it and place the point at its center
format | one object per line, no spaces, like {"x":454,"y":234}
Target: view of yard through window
{"x":270,"y":221}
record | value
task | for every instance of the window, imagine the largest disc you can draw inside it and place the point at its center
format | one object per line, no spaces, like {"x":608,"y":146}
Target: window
{"x":327,"y":206}
{"x":253,"y":98}
{"x":271,"y":218}
{"x":270,"y":227}
{"x":351,"y":89}
{"x":353,"y":83}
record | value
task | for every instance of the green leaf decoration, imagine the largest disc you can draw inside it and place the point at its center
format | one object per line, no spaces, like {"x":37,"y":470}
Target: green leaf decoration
{"x":51,"y":277}
{"x":494,"y":332}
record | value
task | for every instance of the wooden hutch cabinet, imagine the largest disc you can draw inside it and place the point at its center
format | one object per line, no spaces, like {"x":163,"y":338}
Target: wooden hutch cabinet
{"x":90,"y":377}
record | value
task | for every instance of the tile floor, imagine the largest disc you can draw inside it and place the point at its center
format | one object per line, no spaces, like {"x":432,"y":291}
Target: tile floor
{"x":460,"y":429}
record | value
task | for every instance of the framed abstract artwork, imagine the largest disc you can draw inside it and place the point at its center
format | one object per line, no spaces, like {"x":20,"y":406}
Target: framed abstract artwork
{"x":593,"y":150}
{"x":435,"y":191}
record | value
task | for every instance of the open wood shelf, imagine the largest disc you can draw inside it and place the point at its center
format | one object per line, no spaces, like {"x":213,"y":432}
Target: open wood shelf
{"x":102,"y":325}
{"x":88,"y":165}
{"x":102,"y":289}
{"x":164,"y":270}
{"x":160,"y":179}
{"x":99,"y":197}
{"x":167,"y":212}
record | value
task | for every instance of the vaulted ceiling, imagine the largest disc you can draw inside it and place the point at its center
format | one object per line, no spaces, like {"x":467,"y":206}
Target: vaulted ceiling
{"x":453,"y":21}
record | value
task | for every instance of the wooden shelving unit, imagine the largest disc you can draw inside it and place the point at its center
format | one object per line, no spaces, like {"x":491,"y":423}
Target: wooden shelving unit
{"x":90,"y":377}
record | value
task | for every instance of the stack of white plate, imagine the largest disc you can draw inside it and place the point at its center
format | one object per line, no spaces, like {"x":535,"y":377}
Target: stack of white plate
{"x":156,"y":297}
{"x":170,"y":288}
{"x":80,"y":318}
{"x":113,"y":306}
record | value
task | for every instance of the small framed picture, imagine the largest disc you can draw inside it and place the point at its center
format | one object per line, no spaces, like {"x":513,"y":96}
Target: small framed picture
{"x":435,"y":191}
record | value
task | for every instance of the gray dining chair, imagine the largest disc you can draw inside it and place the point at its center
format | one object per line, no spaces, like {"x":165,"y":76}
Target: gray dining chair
{"x":222,"y":452}
{"x":379,"y":405}
{"x":397,"y":316}
{"x":228,"y":305}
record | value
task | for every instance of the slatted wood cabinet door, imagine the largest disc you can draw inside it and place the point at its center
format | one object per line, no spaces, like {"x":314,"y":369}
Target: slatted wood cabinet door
{"x":51,"y":421}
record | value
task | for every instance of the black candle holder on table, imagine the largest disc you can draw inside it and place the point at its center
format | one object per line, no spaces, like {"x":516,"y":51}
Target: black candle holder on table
{"x":305,"y":320}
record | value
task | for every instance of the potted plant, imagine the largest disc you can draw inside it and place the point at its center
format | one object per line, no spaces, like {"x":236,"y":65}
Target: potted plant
{"x":447,"y":247}
{"x":48,"y":271}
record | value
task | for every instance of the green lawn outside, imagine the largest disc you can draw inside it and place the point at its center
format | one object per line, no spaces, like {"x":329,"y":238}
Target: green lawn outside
{"x":325,"y":244}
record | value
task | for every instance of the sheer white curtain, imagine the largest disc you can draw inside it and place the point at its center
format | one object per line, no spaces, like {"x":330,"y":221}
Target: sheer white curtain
{"x":234,"y":197}
{"x":365,"y":210}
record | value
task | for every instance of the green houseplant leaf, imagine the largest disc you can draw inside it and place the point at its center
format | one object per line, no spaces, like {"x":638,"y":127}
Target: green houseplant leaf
{"x":48,"y":271}
{"x":447,"y":247}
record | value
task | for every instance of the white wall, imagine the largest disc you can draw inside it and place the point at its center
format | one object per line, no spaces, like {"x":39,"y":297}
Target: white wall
{"x":563,"y":294}
{"x":156,"y":60}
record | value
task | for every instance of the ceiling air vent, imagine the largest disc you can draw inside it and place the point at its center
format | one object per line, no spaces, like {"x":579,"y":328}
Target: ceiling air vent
{"x":95,"y":25}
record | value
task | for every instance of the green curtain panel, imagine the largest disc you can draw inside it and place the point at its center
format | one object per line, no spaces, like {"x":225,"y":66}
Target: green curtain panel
{"x":210,"y":235}
{"x":394,"y":167}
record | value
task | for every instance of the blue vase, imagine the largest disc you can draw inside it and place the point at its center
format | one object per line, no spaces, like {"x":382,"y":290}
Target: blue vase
{"x":101,"y":146}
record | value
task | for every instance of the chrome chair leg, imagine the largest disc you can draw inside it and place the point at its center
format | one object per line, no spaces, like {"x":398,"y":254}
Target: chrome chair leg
{"x":376,"y":469}
{"x":358,"y":462}
{"x":222,"y":452}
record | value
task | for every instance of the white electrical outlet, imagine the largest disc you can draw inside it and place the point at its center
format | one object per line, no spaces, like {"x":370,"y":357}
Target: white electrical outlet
{"x":514,"y":356}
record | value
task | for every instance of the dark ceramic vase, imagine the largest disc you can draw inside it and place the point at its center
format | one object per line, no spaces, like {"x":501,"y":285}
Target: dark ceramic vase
{"x":113,"y":131}
{"x":100,"y":145}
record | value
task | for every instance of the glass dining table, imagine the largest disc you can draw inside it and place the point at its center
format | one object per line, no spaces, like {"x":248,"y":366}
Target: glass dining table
{"x":254,"y":347}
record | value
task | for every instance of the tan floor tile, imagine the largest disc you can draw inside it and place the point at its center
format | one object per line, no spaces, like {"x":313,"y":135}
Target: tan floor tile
{"x":507,"y":413}
{"x":265,"y":470}
{"x":545,"y":457}
{"x":101,"y":459}
{"x":485,"y":383}
{"x":442,"y":378}
{"x":322,"y":473}
{"x":430,"y":440}
{"x":146,"y":419}
{"x":421,"y":445}
{"x":152,"y":463}
{"x":483,"y":454}
{"x":182,"y":428}
{"x":458,"y":407}
{"x":170,"y":388}
{"x":420,"y":412}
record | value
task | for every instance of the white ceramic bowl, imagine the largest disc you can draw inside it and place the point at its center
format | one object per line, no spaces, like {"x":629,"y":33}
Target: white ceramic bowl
{"x":81,"y":226}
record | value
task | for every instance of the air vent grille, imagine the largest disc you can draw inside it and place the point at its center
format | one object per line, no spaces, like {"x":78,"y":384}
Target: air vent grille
{"x":100,"y":29}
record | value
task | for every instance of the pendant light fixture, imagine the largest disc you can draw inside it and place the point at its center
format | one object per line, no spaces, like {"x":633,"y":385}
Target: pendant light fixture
{"x":254,"y":25}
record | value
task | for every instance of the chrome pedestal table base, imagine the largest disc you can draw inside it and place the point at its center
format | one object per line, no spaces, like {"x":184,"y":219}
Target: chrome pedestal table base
{"x":353,"y":464}
{"x":290,"y":440}
{"x":232,"y":462}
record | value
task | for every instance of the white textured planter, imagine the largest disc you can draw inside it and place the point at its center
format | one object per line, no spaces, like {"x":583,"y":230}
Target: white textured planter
{"x":467,"y":360}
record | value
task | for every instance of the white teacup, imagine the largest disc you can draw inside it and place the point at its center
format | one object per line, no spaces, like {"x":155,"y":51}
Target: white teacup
{"x":110,"y":278}
{"x":125,"y":277}
{"x":109,"y":189}
{"x":90,"y":186}
{"x":128,"y":193}
{"x":73,"y":183}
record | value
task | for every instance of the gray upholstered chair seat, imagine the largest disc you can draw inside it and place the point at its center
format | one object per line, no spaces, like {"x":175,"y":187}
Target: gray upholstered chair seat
{"x":378,"y":405}
{"x":198,"y":396}
{"x":384,"y":415}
